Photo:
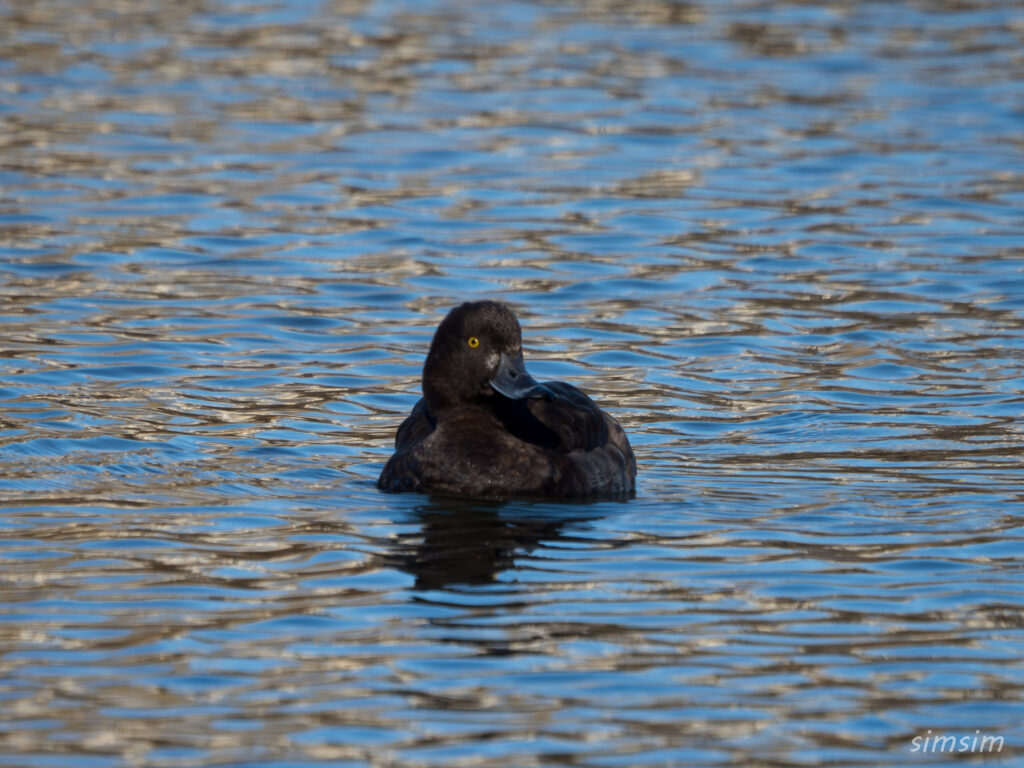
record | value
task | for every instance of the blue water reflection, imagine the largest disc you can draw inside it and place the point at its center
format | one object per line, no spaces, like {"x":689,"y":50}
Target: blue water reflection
{"x":779,"y":242}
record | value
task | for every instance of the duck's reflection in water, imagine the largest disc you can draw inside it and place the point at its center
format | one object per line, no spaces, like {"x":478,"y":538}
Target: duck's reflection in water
{"x":472,"y":542}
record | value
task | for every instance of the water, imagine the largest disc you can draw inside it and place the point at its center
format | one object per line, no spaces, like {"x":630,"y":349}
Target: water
{"x":781,"y":242}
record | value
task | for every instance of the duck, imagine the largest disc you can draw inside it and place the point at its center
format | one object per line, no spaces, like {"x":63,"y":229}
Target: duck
{"x":485,"y":429}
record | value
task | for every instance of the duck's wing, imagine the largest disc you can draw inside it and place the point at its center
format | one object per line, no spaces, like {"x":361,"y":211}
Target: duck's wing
{"x":567,"y":421}
{"x":402,"y":471}
{"x":595,"y":452}
{"x":416,"y":427}
{"x":574,"y":419}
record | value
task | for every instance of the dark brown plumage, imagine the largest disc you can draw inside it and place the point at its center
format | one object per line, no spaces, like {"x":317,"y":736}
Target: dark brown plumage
{"x":485,"y":429}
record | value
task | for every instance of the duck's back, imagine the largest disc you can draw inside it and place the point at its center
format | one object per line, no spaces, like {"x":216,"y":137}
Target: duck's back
{"x":594,"y":455}
{"x":563,"y":446}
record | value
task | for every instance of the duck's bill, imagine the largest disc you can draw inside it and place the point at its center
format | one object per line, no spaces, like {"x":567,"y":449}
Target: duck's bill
{"x":514,"y":382}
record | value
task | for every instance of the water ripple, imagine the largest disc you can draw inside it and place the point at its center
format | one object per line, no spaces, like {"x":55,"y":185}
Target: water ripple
{"x":780,"y":242}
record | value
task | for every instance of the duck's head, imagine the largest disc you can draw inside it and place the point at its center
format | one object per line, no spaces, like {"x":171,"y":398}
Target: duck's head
{"x":476,"y":354}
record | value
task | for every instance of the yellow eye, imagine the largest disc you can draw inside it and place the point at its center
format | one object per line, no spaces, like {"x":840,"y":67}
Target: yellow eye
{"x":473,"y":341}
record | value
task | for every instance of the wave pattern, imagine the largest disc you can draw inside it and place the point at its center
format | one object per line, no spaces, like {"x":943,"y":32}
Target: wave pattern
{"x":781,"y":242}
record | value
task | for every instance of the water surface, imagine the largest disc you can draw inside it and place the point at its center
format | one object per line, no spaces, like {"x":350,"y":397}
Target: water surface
{"x":780,"y":242}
